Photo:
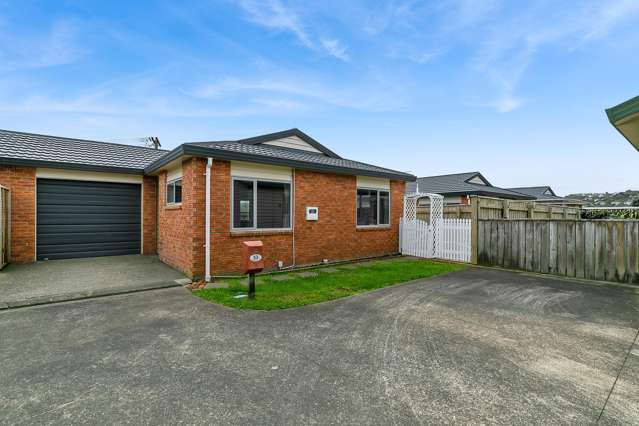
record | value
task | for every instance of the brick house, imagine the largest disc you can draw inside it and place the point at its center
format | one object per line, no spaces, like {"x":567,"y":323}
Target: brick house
{"x":194,"y":205}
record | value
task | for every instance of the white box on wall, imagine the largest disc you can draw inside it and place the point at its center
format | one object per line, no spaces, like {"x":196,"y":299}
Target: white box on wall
{"x":312,"y":213}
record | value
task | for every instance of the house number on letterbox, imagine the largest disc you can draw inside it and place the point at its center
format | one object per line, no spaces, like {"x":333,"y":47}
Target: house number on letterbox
{"x":255,"y":257}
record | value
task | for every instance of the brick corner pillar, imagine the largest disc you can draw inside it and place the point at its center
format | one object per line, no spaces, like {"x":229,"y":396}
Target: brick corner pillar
{"x":194,"y":182}
{"x":149,"y":214}
{"x":21,"y":181}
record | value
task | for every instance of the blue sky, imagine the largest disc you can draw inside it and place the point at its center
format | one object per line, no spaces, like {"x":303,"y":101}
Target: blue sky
{"x":516,"y":90}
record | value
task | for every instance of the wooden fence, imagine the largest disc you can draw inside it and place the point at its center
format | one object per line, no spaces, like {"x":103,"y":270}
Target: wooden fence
{"x":599,"y":250}
{"x":495,"y":208}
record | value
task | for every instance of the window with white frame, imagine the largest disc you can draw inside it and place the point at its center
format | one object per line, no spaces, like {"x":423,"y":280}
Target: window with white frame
{"x":373,"y":207}
{"x":174,"y":191}
{"x":261,"y":204}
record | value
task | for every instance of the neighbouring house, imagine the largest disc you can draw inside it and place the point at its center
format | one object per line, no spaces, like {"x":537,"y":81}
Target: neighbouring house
{"x":457,"y":188}
{"x":546,"y":195}
{"x":625,"y":118}
{"x":194,"y":205}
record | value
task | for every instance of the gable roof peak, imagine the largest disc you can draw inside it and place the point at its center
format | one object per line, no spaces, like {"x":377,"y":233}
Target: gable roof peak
{"x":263,"y":139}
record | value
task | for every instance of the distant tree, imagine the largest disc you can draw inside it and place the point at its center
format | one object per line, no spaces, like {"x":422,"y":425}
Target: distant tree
{"x":635,"y":202}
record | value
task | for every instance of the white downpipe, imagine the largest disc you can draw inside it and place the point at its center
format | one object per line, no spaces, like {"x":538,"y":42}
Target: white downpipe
{"x":293,"y":265}
{"x":293,"y":216}
{"x":207,"y":222}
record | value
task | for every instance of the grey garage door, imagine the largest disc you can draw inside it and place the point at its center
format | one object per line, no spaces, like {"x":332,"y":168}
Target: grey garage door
{"x":85,"y":219}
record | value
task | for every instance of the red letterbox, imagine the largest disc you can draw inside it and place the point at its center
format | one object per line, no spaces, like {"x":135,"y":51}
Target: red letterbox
{"x":252,"y":258}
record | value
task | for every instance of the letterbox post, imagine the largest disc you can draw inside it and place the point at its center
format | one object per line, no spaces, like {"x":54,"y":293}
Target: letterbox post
{"x":252,"y":262}
{"x":251,"y":290}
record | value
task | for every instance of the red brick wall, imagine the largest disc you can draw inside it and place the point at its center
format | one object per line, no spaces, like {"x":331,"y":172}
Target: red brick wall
{"x":181,"y":228}
{"x":227,"y":246}
{"x":22,"y":183}
{"x":334,"y":236}
{"x":149,"y":215}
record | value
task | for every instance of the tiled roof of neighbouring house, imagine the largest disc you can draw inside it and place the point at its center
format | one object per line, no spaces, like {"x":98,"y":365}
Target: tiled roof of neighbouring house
{"x":460,"y":184}
{"x":543,"y":193}
{"x":18,"y":148}
{"x":539,"y":192}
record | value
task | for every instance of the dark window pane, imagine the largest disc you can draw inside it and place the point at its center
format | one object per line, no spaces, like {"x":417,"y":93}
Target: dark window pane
{"x":384,"y":208}
{"x":178,"y":191}
{"x":242,"y":204}
{"x":273,"y":205}
{"x":170,"y":193}
{"x":366,"y":207}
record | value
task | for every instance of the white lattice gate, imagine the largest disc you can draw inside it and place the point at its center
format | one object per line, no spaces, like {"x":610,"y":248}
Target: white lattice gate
{"x":455,"y":241}
{"x":440,"y":238}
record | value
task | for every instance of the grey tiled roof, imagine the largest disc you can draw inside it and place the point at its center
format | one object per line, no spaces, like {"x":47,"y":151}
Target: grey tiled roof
{"x":535,"y":191}
{"x":457,"y":184}
{"x":33,"y":149}
{"x":18,"y":148}
{"x":538,"y":193}
{"x":269,"y":152}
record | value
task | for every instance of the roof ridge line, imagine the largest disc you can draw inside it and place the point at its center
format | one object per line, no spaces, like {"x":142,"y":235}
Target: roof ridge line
{"x":82,"y":140}
{"x":450,"y":174}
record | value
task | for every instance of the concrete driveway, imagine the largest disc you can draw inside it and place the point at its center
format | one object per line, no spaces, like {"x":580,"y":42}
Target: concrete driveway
{"x":70,"y":279}
{"x":475,"y":346}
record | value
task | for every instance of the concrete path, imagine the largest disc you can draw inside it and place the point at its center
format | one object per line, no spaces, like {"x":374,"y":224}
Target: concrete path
{"x":477,"y":346}
{"x":71,"y":279}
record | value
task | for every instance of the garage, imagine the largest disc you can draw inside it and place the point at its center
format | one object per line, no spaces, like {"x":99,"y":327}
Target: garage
{"x":87,"y":219}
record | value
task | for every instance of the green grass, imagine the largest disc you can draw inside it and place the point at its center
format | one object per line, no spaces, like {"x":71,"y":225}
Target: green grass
{"x":301,"y":291}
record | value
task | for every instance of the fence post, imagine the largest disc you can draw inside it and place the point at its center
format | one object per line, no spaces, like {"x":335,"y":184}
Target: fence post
{"x":474,"y":228}
{"x":505,"y":214}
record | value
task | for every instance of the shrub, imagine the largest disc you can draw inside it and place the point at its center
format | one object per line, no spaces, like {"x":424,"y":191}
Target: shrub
{"x":610,"y":214}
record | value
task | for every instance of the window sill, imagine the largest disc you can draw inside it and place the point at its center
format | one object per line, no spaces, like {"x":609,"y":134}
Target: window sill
{"x":373,"y":228}
{"x":173,"y":206}
{"x":260,"y":232}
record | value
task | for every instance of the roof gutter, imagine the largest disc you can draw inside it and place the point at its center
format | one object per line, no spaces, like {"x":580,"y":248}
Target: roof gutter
{"x":200,"y":151}
{"x":622,"y":113}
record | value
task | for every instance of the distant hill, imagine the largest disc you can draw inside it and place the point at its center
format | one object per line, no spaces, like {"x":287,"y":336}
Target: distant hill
{"x":608,"y":199}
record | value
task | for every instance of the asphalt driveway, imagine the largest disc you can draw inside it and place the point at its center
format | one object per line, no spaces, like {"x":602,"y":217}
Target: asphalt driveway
{"x":70,"y":279}
{"x":475,"y":346}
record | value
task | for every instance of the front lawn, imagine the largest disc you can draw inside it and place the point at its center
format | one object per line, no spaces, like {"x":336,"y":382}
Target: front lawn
{"x":341,"y":281}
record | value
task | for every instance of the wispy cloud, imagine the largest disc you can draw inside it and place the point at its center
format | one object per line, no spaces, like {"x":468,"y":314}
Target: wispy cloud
{"x":495,"y":41}
{"x":507,"y":48}
{"x":506,"y":103}
{"x":274,"y":15}
{"x":306,"y":90}
{"x":604,"y":19}
{"x":335,"y":48}
{"x":57,"y":45}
